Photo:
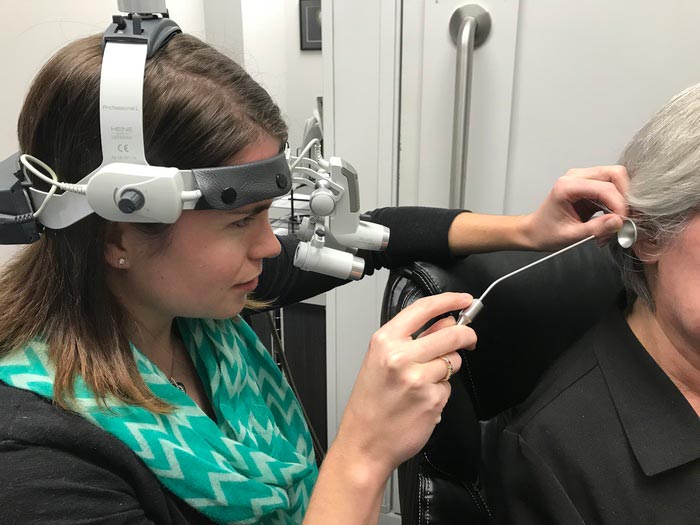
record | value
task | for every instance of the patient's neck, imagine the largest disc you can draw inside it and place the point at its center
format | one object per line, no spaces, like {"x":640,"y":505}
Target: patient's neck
{"x":671,"y":348}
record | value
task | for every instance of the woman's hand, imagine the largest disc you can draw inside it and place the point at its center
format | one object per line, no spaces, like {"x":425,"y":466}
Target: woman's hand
{"x":395,"y":404}
{"x":563,"y":217}
{"x":399,"y":393}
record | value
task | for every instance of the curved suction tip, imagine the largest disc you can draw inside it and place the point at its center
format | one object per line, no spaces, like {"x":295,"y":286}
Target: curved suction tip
{"x":627,"y":235}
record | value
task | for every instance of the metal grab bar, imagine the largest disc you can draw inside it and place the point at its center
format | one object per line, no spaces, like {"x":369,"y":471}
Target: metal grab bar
{"x":469,"y":27}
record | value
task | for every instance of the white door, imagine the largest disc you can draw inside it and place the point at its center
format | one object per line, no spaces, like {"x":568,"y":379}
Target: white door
{"x":428,"y":68}
{"x":555,"y":85}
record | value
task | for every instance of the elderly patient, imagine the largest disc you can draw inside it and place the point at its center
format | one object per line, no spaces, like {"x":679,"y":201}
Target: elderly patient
{"x":611,"y":434}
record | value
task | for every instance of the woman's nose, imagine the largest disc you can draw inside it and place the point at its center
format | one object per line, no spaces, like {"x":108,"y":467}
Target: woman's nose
{"x":268,"y":245}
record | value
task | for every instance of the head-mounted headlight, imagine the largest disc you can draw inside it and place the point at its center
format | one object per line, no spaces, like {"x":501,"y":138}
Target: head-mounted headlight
{"x":125,"y":187}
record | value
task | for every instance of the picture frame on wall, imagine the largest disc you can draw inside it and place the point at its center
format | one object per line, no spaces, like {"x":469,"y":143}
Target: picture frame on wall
{"x":310,"y":24}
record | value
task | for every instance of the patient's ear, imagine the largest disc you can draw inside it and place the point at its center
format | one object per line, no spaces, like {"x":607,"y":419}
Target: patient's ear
{"x":647,"y":249}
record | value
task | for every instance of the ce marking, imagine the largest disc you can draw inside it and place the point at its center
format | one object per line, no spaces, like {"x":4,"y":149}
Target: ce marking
{"x":123,"y":148}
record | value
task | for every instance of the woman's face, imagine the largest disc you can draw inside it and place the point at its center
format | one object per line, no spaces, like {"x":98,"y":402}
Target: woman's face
{"x":212,"y":261}
{"x":675,"y":285}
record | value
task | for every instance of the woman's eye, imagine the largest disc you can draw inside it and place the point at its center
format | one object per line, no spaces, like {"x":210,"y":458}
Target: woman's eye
{"x":243,"y":222}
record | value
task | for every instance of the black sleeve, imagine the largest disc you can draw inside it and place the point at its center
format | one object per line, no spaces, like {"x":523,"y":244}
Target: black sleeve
{"x":417,"y":234}
{"x":522,"y":489}
{"x":45,"y":485}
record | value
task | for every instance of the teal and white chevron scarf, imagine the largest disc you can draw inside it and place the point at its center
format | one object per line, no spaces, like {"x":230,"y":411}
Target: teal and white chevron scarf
{"x":256,"y":466}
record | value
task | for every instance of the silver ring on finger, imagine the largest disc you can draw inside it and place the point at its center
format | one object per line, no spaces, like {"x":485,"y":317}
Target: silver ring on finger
{"x":449,"y":371}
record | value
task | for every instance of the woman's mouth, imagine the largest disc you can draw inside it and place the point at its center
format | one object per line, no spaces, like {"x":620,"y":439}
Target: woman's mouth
{"x":247,"y":286}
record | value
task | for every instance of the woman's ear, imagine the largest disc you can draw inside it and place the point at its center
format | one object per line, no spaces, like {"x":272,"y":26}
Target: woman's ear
{"x":647,"y":249}
{"x":116,"y":246}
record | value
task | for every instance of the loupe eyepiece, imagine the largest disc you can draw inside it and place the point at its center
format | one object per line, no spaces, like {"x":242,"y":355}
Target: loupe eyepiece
{"x":328,"y":261}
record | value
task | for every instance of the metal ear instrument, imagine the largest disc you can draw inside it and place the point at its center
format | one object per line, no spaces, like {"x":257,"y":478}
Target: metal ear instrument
{"x":626,"y":237}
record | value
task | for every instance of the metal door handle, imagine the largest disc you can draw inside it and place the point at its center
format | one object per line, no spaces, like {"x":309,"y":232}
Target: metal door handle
{"x":469,"y":27}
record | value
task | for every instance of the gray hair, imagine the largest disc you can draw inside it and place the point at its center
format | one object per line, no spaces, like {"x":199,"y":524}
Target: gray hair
{"x":663,"y":162}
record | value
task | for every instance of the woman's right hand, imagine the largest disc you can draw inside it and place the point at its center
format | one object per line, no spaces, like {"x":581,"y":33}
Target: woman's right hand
{"x":399,"y":393}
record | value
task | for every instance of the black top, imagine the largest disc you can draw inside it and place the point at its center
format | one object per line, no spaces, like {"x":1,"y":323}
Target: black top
{"x":56,"y":467}
{"x":605,"y":438}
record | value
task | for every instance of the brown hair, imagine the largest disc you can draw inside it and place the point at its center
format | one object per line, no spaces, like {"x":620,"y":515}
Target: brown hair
{"x":200,"y":110}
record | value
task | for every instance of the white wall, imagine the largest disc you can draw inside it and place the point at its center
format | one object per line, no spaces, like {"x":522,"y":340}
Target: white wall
{"x":361,"y":77}
{"x":272,"y":56}
{"x":588,"y":75}
{"x":223,"y":22}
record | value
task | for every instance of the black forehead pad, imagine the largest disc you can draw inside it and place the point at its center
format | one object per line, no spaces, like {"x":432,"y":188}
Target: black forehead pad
{"x":231,"y":187}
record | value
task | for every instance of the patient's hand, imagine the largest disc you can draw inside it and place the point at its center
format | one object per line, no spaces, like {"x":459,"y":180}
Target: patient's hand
{"x":565,"y":215}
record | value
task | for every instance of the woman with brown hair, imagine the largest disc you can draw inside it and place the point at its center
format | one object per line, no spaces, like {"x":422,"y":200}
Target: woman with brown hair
{"x":130,"y":389}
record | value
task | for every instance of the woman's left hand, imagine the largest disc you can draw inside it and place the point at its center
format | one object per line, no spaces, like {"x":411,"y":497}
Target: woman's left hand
{"x":565,"y":215}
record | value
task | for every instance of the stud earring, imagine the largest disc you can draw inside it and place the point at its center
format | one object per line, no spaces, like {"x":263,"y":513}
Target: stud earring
{"x":122,"y":261}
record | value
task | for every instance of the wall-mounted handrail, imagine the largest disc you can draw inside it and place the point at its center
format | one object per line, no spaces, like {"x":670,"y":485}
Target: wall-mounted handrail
{"x":469,"y":27}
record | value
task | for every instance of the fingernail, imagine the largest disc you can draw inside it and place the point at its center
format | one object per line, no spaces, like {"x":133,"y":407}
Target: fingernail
{"x":612,"y":224}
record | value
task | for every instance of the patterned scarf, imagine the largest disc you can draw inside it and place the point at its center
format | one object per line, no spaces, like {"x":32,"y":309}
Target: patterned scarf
{"x":255,"y":466}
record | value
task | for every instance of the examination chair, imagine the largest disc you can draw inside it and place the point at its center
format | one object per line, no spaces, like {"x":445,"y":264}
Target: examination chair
{"x":527,"y":321}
